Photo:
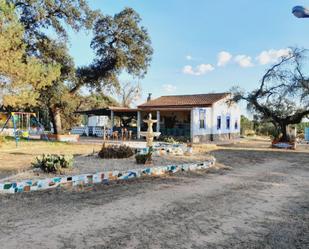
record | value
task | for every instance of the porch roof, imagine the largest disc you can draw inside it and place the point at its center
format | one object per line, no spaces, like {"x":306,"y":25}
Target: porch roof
{"x":184,"y":101}
{"x":107,"y":111}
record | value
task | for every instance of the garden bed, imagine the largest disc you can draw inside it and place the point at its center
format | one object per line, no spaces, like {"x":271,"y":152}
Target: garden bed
{"x":88,"y":179}
{"x":91,"y":163}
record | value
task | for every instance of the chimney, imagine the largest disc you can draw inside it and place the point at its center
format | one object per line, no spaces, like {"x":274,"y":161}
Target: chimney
{"x":149,"y":97}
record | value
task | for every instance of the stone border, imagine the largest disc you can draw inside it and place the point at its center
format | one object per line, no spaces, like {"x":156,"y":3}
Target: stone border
{"x":101,"y":177}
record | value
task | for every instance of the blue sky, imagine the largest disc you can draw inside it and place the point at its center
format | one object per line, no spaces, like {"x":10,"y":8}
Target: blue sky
{"x":187,"y":37}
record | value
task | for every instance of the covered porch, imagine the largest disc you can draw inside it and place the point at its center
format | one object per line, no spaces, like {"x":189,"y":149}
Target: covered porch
{"x":121,"y":123}
{"x":170,"y":122}
{"x":110,"y":123}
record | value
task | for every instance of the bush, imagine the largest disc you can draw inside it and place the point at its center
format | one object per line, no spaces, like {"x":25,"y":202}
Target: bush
{"x":54,"y":163}
{"x":170,"y":140}
{"x":174,"y":140}
{"x":2,"y":140}
{"x":301,"y":135}
{"x":267,"y":129}
{"x":245,"y":125}
{"x":114,"y":151}
{"x":143,"y":158}
{"x":250,"y":133}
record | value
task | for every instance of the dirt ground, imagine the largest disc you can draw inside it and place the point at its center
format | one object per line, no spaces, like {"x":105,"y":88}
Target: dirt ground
{"x":263,"y":202}
{"x":13,"y":160}
{"x":15,"y":163}
{"x":92,"y":163}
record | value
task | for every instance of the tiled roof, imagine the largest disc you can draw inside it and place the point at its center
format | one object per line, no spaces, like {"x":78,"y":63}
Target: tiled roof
{"x":198,"y":100}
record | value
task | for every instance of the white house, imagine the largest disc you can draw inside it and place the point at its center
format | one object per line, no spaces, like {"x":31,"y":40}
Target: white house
{"x":99,"y":121}
{"x":198,"y":117}
{"x":202,"y":117}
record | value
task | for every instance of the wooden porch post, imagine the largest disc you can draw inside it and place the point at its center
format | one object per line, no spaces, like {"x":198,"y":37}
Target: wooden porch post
{"x":112,"y":121}
{"x":191,"y":125}
{"x":158,"y":121}
{"x":138,"y":124}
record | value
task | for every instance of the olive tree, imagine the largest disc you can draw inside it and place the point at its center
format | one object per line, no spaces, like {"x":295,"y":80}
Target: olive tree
{"x":282,"y":96}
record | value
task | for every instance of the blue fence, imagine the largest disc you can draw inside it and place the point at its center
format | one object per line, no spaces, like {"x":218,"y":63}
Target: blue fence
{"x":307,"y":134}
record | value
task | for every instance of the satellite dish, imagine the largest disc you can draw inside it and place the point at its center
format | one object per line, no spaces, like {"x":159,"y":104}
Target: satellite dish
{"x":300,"y":12}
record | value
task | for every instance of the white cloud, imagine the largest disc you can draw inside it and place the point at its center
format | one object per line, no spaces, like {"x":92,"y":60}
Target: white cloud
{"x":199,"y":70}
{"x":188,"y":70}
{"x":243,"y":60}
{"x":204,"y":68}
{"x":169,"y":88}
{"x":189,"y":57}
{"x":223,"y":58}
{"x":272,"y":55}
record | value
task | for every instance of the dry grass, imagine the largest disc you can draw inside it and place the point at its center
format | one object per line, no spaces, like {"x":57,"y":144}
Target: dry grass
{"x":19,"y":159}
{"x":16,"y":162}
{"x":16,"y":159}
{"x":200,"y":148}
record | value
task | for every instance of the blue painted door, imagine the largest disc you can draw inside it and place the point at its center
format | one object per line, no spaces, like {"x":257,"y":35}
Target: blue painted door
{"x":307,"y":134}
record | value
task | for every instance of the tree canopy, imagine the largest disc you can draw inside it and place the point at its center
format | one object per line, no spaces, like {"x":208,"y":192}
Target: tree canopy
{"x":21,"y":76}
{"x":38,"y":16}
{"x":129,"y":93}
{"x":283,"y":93}
{"x":120,"y":42}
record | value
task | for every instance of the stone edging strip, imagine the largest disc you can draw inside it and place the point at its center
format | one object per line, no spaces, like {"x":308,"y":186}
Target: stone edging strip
{"x":101,"y":177}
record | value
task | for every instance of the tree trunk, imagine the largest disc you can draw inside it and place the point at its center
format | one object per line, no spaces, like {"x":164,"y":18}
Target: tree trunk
{"x":56,"y":120}
{"x":285,"y":136}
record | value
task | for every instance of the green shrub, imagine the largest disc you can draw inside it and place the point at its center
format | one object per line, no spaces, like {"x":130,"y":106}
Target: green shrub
{"x":143,"y":158}
{"x":300,"y":135}
{"x":2,"y":140}
{"x":174,"y":140}
{"x":266,"y":129}
{"x":54,"y":163}
{"x":170,"y":140}
{"x":250,"y":133}
{"x":114,"y":151}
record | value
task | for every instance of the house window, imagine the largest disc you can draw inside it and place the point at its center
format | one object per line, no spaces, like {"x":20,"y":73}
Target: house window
{"x":236,"y":125}
{"x":228,"y":122}
{"x":202,"y":119}
{"x":218,"y":122}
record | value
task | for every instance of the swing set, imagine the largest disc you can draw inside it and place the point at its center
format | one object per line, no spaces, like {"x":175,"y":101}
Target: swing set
{"x":22,"y":123}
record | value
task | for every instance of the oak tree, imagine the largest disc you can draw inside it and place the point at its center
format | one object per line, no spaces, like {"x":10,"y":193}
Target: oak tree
{"x":21,"y":76}
{"x":120,"y":42}
{"x":282,"y":96}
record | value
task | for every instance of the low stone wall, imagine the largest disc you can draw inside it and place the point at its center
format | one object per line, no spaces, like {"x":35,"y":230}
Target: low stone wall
{"x":101,"y":177}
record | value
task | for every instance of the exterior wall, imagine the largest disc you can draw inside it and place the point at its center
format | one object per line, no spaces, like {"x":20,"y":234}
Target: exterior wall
{"x":201,"y":134}
{"x":225,"y":136}
{"x":98,"y":121}
{"x":215,"y":137}
{"x":210,"y":132}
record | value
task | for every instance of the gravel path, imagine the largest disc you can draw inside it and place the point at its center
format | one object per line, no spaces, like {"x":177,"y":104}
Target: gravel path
{"x":262,"y":202}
